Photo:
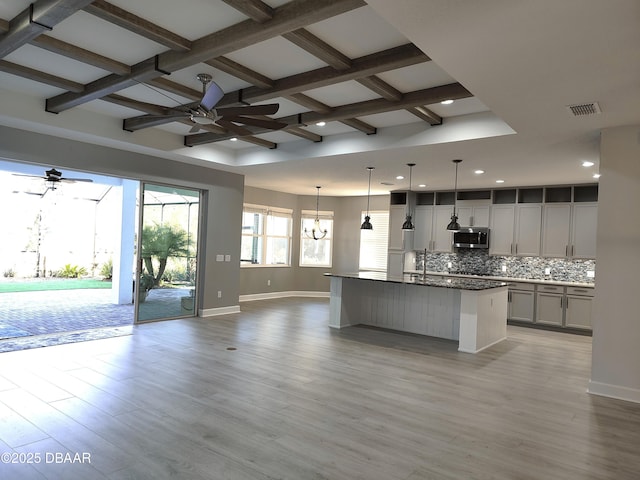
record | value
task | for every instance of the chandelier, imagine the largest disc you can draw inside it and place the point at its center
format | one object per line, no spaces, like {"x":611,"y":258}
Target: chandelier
{"x":316,"y":232}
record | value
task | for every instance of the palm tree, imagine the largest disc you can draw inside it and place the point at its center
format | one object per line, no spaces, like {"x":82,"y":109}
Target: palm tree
{"x":161,"y":242}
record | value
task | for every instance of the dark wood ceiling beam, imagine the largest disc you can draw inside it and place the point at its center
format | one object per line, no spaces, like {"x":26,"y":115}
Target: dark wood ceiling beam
{"x":308,"y":102}
{"x":176,"y":88}
{"x":290,"y":16}
{"x":318,"y":48}
{"x":80,"y":54}
{"x":256,"y":10}
{"x":306,"y":134}
{"x":420,"y":97}
{"x":150,"y":108}
{"x":4,"y":26}
{"x":38,"y":76}
{"x":391,"y":59}
{"x":138,"y":25}
{"x":37,"y":18}
{"x":317,"y":106}
{"x":358,"y":124}
{"x":256,"y":141}
{"x":240,"y":71}
{"x":380,"y":87}
{"x":425,"y":114}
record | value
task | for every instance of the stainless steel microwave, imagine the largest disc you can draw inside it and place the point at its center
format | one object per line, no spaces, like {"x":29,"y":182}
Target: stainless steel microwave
{"x":471,"y":237}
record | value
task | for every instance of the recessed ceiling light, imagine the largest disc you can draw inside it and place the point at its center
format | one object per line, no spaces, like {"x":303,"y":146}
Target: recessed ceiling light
{"x":499,"y":181}
{"x":596,"y":175}
{"x":234,"y":139}
{"x":422,"y":185}
{"x":321,"y":124}
{"x":399,"y":177}
{"x":479,"y":172}
{"x":586,"y":163}
{"x":447,"y":102}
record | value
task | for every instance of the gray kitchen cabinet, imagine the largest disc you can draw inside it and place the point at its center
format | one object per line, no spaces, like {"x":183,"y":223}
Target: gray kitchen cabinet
{"x":521,"y":302}
{"x":422,"y":236}
{"x":584,"y":225}
{"x":550,"y":303}
{"x":442,"y":238}
{"x":569,"y":231}
{"x":502,"y":224}
{"x":397,"y":214}
{"x":473,"y":216}
{"x":515,"y":230}
{"x":395,"y":263}
{"x":578,"y":307}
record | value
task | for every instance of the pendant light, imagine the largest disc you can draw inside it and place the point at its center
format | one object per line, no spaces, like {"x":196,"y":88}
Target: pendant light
{"x":408,"y":224}
{"x":366,"y":225}
{"x":316,"y":232}
{"x":454,"y":226}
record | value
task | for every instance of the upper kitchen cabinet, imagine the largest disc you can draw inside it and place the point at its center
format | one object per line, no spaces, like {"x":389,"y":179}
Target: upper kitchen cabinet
{"x":515,"y":229}
{"x":569,"y":228}
{"x":431,"y":232}
{"x":473,"y":216}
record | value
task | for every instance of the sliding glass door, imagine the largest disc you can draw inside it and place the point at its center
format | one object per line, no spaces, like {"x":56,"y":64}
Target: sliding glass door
{"x":165,"y":285}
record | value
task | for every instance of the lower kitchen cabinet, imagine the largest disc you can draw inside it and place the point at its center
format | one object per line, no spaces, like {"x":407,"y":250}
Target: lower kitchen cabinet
{"x":521,"y":302}
{"x":550,"y":305}
{"x":578,"y":307}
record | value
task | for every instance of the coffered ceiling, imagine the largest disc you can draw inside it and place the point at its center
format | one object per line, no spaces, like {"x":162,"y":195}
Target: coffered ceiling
{"x":374,"y":71}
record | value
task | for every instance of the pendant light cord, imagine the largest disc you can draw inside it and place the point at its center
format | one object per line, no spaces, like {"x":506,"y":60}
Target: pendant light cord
{"x":369,"y":190}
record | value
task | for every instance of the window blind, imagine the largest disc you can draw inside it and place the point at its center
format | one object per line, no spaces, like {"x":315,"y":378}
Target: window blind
{"x":373,"y":243}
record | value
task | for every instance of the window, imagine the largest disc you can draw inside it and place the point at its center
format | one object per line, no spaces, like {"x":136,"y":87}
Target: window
{"x":266,"y":236}
{"x":316,"y":253}
{"x":373,"y":243}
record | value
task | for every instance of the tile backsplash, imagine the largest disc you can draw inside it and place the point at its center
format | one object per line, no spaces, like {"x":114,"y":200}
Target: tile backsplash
{"x":480,"y":262}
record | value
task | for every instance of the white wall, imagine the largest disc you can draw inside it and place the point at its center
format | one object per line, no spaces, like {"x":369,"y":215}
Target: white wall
{"x":616,"y":326}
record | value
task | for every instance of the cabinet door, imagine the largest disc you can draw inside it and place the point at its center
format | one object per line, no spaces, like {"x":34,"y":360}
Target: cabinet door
{"x":521,"y":305}
{"x":395,"y":264}
{"x":549,"y":308}
{"x":556,"y":224}
{"x":442,"y":237}
{"x":502,"y":226}
{"x":583,"y":234}
{"x":397,"y":215}
{"x":578,"y":312}
{"x":528,"y":227}
{"x":423,"y":222}
{"x":473,"y":216}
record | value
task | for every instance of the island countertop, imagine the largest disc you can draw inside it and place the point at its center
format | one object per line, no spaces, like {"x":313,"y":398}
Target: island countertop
{"x":427,"y":280}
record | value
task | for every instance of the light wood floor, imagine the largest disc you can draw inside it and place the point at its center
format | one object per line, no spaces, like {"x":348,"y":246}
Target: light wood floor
{"x":296,"y":400}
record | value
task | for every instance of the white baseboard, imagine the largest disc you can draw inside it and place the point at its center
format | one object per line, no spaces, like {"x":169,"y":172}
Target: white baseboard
{"x":213,"y":312}
{"x":614,"y":391}
{"x":271,"y":295}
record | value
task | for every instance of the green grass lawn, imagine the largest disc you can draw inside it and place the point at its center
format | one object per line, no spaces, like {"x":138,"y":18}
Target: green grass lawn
{"x":39,"y":284}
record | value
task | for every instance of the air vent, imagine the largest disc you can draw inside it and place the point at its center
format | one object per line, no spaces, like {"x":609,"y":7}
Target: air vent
{"x":582,"y":109}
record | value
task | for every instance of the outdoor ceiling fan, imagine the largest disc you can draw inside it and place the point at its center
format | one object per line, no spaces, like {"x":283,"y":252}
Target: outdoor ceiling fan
{"x":229,"y":118}
{"x":53,"y":177}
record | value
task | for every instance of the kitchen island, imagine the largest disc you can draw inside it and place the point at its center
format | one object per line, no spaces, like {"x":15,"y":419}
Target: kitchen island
{"x":471,"y":311}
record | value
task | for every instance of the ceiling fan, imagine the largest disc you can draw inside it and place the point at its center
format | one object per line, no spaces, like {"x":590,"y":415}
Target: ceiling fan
{"x":229,"y":118}
{"x":53,"y":177}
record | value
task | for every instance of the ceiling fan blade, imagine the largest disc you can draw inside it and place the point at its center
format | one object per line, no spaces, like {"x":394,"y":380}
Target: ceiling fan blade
{"x":232,"y":127}
{"x":212,"y":96}
{"x":195,"y":128}
{"x":73,"y":180}
{"x":257,"y":122}
{"x":25,"y":175}
{"x":268,"y":109}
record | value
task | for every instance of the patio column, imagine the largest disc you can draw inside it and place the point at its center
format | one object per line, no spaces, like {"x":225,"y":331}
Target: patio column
{"x":122,"y":282}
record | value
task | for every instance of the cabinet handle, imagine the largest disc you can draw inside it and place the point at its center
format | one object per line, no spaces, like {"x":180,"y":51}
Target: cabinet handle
{"x":572,"y":249}
{"x":582,"y":290}
{"x":560,"y":302}
{"x":567,"y":304}
{"x":516,"y":248}
{"x":511,"y":248}
{"x":566,"y":250}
